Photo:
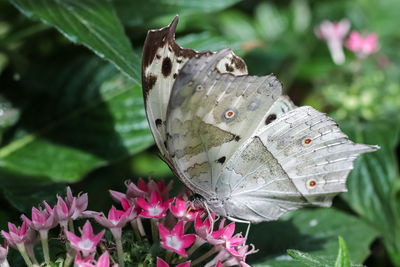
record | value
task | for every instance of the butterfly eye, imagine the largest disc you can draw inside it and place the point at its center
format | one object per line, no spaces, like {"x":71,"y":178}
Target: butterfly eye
{"x":199,"y":88}
{"x":307,"y":141}
{"x":311,"y":183}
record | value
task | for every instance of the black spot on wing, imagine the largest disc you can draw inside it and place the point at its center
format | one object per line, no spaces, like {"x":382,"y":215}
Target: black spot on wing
{"x":270,"y":118}
{"x":229,"y":68}
{"x":237,"y":138}
{"x":166,"y":67}
{"x":221,"y":160}
{"x":148,"y":82}
{"x":158,"y":122}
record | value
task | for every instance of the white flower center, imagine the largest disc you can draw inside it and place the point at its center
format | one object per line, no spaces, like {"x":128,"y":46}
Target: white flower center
{"x":85,"y":244}
{"x":173,"y":242}
{"x":155,"y":210}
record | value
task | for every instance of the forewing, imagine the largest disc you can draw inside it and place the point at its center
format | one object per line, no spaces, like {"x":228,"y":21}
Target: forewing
{"x":162,"y":61}
{"x":211,"y":114}
{"x":303,"y":158}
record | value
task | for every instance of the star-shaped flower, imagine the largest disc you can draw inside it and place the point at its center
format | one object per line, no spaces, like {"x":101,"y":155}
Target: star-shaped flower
{"x":161,"y":263}
{"x":88,"y":242}
{"x":176,"y":240}
{"x":116,"y":219}
{"x":181,"y":212}
{"x":156,"y":208}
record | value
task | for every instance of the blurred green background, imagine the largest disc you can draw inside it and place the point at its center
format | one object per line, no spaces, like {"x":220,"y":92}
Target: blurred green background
{"x":71,"y":108}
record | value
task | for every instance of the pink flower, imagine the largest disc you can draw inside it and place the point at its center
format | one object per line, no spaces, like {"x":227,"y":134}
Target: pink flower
{"x":176,"y":240}
{"x":81,"y":203}
{"x":180,"y":210}
{"x":83,"y":262}
{"x":204,"y":230}
{"x":334,"y":34}
{"x":117,"y":219}
{"x":156,"y":208}
{"x":42,"y":220}
{"x":161,"y":263}
{"x":103,"y":261}
{"x":88,"y":242}
{"x":140,"y":190}
{"x":226,"y":234}
{"x":17,"y":235}
{"x":3,"y":254}
{"x":362,"y":46}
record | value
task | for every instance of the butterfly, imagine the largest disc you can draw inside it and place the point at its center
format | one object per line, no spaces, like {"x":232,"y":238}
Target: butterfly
{"x":234,"y":139}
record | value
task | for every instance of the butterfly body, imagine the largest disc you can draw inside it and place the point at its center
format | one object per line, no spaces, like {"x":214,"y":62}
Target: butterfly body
{"x":235,"y":139}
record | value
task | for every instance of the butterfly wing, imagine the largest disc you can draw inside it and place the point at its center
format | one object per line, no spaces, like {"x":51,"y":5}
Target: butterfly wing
{"x":162,"y":61}
{"x":211,"y":114}
{"x":301,"y":158}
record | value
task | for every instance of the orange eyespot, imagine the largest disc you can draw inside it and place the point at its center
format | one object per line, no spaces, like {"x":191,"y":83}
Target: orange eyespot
{"x":307,"y":141}
{"x":311,"y":183}
{"x":229,"y":114}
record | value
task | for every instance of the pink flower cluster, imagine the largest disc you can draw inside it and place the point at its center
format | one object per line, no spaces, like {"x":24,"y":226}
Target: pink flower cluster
{"x":334,"y":33}
{"x":169,"y":218}
{"x":151,"y":201}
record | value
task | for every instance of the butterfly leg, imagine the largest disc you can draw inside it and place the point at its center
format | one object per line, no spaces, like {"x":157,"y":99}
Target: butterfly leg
{"x":241,"y":221}
{"x":209,"y":216}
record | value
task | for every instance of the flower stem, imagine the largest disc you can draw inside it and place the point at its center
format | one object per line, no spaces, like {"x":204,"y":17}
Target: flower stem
{"x":71,"y":226}
{"x":154,"y":230}
{"x":22,"y":250}
{"x":135,"y":228}
{"x":204,"y":256}
{"x":198,"y":243}
{"x":5,"y":263}
{"x":45,"y":245}
{"x":120,"y":252}
{"x":69,"y":258}
{"x":140,"y":227}
{"x":169,"y":256}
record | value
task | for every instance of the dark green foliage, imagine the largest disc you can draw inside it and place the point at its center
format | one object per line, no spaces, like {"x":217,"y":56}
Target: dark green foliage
{"x":76,"y":115}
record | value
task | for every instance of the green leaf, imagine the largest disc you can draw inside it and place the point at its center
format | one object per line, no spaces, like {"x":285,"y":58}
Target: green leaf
{"x":343,"y":259}
{"x":92,"y":23}
{"x":99,"y":119}
{"x":308,"y":259}
{"x":373,"y":182}
{"x":142,"y":11}
{"x":312,"y":231}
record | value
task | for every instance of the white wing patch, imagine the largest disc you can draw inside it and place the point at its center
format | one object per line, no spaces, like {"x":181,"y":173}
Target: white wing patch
{"x":211,"y":114}
{"x":162,"y":61}
{"x":301,"y":158}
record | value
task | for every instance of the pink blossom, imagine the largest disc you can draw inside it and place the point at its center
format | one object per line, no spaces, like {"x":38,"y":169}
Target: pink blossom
{"x":103,"y":261}
{"x":78,"y":205}
{"x":88,"y":242}
{"x":156,"y":208}
{"x":226,"y":234}
{"x":204,"y":230}
{"x":3,"y":254}
{"x":161,"y":263}
{"x":17,"y":235}
{"x":180,"y":210}
{"x":83,"y":262}
{"x":334,"y":34}
{"x":362,"y":46}
{"x":116,"y":220}
{"x":140,"y":190}
{"x":176,"y":240}
{"x":42,"y":220}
